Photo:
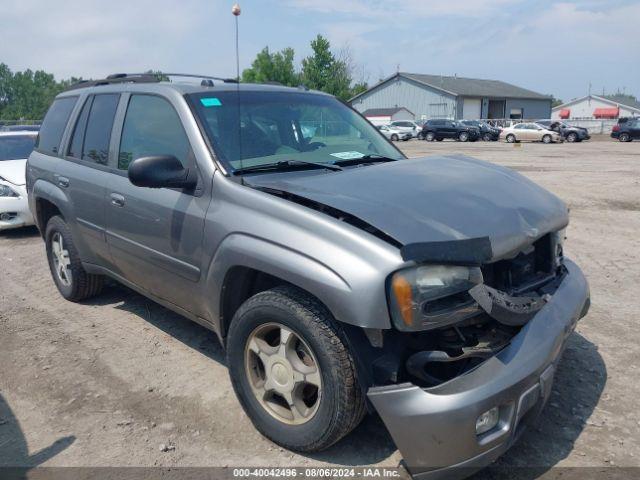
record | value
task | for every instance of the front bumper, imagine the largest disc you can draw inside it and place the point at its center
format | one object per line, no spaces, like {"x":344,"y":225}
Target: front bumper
{"x":434,"y":428}
{"x":14,"y":211}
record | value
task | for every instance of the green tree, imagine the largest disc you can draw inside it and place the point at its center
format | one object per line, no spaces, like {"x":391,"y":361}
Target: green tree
{"x":324,"y":71}
{"x":273,"y":67}
{"x":26,"y":95}
{"x":555,"y":102}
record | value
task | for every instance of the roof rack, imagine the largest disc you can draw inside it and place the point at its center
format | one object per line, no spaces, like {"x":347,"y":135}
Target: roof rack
{"x":207,"y":80}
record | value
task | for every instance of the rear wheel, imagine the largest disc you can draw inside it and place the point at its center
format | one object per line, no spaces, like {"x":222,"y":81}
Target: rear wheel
{"x":624,"y":137}
{"x":546,"y":139}
{"x":292,"y":371}
{"x":511,"y":138}
{"x":73,"y":282}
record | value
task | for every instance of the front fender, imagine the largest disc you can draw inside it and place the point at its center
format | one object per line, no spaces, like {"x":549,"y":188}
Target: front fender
{"x":344,"y":301}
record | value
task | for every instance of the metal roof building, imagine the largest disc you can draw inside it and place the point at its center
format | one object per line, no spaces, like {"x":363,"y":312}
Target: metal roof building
{"x":598,"y":107}
{"x":436,"y":96}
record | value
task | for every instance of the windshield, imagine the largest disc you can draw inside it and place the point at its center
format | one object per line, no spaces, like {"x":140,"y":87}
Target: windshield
{"x":16,"y":147}
{"x":286,"y":126}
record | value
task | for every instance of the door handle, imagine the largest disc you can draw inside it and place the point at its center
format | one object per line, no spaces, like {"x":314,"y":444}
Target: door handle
{"x":117,"y":200}
{"x":63,"y":182}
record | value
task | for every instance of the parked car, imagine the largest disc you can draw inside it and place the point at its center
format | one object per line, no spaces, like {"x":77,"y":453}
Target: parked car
{"x":406,"y":126}
{"x":19,"y":128}
{"x":339,"y":276}
{"x":570,"y":133}
{"x":488,"y":133}
{"x":439,"y":129}
{"x":15,"y":148}
{"x":530,"y":132}
{"x":627,"y":131}
{"x":394,"y":134}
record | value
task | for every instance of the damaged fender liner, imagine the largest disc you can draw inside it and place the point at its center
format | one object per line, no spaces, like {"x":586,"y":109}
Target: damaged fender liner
{"x":508,"y":310}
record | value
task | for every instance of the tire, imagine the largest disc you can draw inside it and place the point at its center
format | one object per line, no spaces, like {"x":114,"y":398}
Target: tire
{"x":439,"y":139}
{"x":430,"y":137}
{"x":394,"y":138}
{"x":511,"y":138}
{"x":546,"y":139}
{"x":624,"y":137}
{"x":572,"y":137}
{"x":73,"y":282}
{"x":487,"y":137}
{"x":340,"y":402}
{"x":463,"y":137}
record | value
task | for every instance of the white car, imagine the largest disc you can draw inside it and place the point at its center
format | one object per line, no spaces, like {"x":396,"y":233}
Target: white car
{"x":530,"y":132}
{"x":394,"y":134}
{"x":406,"y":126}
{"x":15,"y":148}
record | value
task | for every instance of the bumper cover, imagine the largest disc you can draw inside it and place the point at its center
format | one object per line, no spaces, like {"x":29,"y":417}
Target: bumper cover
{"x":434,"y":428}
{"x":15,"y":209}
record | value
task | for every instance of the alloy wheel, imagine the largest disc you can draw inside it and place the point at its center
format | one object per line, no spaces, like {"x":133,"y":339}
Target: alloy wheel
{"x":284,"y":374}
{"x":61,"y":260}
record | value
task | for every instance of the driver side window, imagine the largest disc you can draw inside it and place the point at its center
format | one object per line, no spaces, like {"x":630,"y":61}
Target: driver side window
{"x":152,"y":127}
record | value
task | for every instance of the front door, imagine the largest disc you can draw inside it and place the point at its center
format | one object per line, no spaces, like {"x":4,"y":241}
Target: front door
{"x":155,"y":235}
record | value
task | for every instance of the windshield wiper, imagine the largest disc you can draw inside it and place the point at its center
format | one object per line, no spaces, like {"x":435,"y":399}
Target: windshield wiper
{"x":285,"y":165}
{"x":371,"y":157}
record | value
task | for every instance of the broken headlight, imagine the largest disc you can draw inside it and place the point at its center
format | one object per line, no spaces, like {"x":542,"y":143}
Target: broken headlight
{"x":432,"y":296}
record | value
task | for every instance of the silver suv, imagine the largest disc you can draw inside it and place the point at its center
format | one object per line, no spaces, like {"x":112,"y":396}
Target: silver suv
{"x":341,"y":277}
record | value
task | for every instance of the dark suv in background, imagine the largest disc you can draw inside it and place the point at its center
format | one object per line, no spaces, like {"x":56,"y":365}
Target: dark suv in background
{"x":439,"y":129}
{"x":570,"y":133}
{"x":488,"y":133}
{"x":627,"y":130}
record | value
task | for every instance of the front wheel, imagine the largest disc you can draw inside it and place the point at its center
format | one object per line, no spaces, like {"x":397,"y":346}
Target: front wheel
{"x":572,"y":137}
{"x":511,"y":138}
{"x":487,"y":137}
{"x":430,"y":137}
{"x":73,"y":282}
{"x":394,"y":138}
{"x":463,"y":137}
{"x":292,"y":371}
{"x":546,"y":139}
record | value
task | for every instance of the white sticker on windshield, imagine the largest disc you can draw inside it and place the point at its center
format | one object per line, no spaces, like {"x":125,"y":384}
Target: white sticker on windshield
{"x":348,"y":155}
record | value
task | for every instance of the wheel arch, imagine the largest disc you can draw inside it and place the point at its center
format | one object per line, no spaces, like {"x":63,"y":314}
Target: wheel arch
{"x":48,"y":201}
{"x":244,"y":265}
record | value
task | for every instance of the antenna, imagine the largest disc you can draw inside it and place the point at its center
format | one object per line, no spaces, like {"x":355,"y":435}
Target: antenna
{"x":236,"y":11}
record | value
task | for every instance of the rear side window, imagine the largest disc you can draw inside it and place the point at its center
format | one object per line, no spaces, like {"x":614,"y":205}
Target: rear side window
{"x":99,"y":126}
{"x":77,"y":139}
{"x":54,"y":124}
{"x":152,"y":127}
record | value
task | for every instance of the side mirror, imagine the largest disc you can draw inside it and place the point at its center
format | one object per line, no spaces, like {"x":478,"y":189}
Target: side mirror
{"x":163,"y":171}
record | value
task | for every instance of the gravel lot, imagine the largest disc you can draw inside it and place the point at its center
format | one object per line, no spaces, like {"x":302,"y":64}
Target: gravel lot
{"x":106,"y":383}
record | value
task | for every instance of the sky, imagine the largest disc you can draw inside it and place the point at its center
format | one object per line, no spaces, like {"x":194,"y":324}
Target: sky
{"x":552,"y":47}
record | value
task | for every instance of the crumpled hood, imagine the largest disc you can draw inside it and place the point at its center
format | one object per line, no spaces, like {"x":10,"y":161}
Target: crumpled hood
{"x":436,"y":199}
{"x":13,"y":171}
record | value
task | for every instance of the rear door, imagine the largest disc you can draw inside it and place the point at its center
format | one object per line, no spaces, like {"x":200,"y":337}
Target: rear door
{"x":155,"y":235}
{"x":85,"y":172}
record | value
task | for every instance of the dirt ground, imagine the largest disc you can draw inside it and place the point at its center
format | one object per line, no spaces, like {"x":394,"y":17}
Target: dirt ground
{"x":110,"y":381}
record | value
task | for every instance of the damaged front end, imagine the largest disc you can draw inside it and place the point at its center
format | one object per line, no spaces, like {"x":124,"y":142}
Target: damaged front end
{"x":449,"y":317}
{"x":472,"y":356}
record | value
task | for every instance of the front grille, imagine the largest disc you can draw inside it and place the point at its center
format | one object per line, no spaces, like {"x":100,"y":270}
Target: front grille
{"x":530,"y":269}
